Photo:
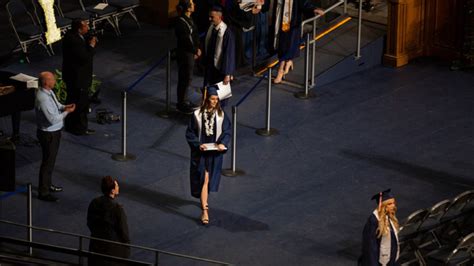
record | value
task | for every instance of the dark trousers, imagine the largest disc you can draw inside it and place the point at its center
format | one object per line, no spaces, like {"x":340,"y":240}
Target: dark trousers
{"x":185,"y":74}
{"x":49,"y":146}
{"x":213,"y":76}
{"x":239,"y":45}
{"x":76,"y":122}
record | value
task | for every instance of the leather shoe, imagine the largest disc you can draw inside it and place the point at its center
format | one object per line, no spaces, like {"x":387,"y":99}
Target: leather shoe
{"x":89,"y":132}
{"x":48,"y":197}
{"x":54,"y":188}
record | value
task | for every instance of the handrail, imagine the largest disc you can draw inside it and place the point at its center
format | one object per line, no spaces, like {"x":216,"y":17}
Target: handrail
{"x":18,"y":191}
{"x":114,"y":242}
{"x":69,"y":251}
{"x":310,"y":49}
{"x":306,"y":21}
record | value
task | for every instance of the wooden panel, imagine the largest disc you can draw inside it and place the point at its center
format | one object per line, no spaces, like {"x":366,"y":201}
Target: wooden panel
{"x":444,"y":28}
{"x":414,"y":28}
{"x":403,"y":36}
{"x":423,"y":27}
{"x":158,"y":12}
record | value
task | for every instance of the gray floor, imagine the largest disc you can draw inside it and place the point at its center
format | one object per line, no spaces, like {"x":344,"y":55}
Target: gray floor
{"x":306,"y":192}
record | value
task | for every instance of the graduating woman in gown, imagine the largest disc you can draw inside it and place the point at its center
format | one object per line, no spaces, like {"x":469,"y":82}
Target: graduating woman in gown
{"x":380,"y":246}
{"x":287,"y":31}
{"x":209,"y":124}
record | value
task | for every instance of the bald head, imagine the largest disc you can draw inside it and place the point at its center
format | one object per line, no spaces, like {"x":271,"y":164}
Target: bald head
{"x":47,"y":80}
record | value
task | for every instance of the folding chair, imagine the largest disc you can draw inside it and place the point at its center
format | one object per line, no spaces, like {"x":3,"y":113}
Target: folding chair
{"x":455,"y":213}
{"x":124,"y":7}
{"x":459,"y":202}
{"x":27,"y":31}
{"x":108,"y":13}
{"x":470,"y":200}
{"x":409,"y":252}
{"x":431,"y":225}
{"x":77,"y":13}
{"x":461,"y":254}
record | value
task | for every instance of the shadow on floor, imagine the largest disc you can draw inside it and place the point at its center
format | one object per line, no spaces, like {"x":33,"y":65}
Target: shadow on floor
{"x":171,"y":204}
{"x":409,"y":169}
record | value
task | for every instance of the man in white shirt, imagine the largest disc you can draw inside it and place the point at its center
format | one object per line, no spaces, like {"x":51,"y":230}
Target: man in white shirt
{"x":50,"y":114}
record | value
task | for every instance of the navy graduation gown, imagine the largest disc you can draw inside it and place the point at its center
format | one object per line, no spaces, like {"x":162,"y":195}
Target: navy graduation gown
{"x":202,"y":160}
{"x":371,"y":244}
{"x":227,"y":66}
{"x":289,"y":42}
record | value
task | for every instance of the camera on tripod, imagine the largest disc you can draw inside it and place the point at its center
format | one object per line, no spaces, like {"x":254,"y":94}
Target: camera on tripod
{"x":104,"y":116}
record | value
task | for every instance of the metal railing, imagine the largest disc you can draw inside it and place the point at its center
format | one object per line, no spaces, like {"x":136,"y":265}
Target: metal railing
{"x":124,"y":155}
{"x":80,"y":252}
{"x":266,"y":131}
{"x":310,"y":48}
{"x":29,"y":210}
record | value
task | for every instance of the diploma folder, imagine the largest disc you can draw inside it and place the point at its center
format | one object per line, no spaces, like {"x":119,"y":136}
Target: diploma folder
{"x":223,"y":91}
{"x":211,"y":146}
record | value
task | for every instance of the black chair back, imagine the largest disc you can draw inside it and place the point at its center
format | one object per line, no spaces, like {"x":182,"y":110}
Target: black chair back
{"x":19,"y":14}
{"x":413,"y":222}
{"x":463,"y":251}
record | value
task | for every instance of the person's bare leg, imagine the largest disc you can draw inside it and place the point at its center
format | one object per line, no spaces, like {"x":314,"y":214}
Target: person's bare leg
{"x":288,"y":66}
{"x":281,"y":72}
{"x":204,"y":197}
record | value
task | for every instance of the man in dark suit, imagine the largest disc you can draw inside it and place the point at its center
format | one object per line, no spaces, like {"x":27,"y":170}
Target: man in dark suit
{"x":78,"y":53}
{"x":106,"y":219}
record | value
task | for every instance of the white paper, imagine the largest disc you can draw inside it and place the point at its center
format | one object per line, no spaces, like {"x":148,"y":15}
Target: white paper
{"x":247,"y":6}
{"x":211,"y":146}
{"x":101,"y":6}
{"x":223,"y":91}
{"x":32,"y":84}
{"x":23,"y":77}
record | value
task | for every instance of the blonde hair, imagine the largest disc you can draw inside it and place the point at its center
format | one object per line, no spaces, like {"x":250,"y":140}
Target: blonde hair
{"x":384,"y":218}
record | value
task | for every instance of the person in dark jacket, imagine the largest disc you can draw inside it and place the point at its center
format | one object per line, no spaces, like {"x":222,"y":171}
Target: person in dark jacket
{"x":106,"y":219}
{"x":78,"y":53}
{"x":239,"y":21}
{"x":187,"y":51}
{"x":219,"y":49}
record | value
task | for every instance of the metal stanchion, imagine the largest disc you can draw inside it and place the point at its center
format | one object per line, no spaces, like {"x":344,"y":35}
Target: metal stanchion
{"x":313,"y":55}
{"x":305,"y":94}
{"x":157,"y":258}
{"x":268,"y":131}
{"x":124,"y":156}
{"x":233,"y":171}
{"x":345,"y":6}
{"x":166,"y":113}
{"x":29,"y":217}
{"x":359,"y":32}
{"x":254,"y":48}
{"x":81,"y":262}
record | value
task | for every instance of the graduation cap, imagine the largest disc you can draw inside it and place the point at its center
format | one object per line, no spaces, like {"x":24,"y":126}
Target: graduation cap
{"x":383,"y":196}
{"x":210,"y":90}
